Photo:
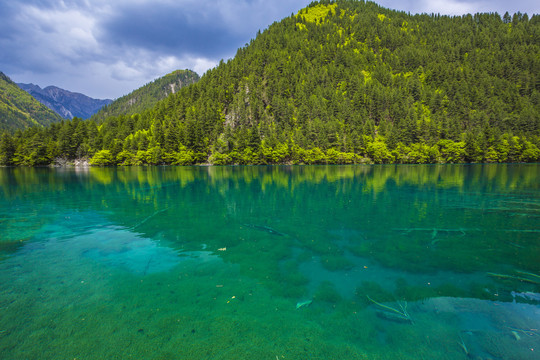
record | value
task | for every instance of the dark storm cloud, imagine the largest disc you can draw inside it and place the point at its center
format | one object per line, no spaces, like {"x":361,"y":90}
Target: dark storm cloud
{"x":8,"y":33}
{"x":172,"y":29}
{"x":213,"y":29}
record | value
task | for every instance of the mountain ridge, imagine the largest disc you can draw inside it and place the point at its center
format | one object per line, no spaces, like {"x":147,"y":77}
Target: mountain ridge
{"x":66,"y":103}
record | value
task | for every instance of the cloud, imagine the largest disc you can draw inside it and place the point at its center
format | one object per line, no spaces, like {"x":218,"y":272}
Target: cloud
{"x":45,"y":38}
{"x":68,"y":33}
{"x":108,"y":48}
{"x":161,"y":28}
{"x":210,"y":29}
{"x":449,"y":7}
{"x":461,"y":7}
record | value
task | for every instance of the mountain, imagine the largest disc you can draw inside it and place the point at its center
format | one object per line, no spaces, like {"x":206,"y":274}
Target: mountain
{"x":65,"y":103}
{"x":345,"y":82}
{"x":147,"y":96}
{"x":19,"y":110}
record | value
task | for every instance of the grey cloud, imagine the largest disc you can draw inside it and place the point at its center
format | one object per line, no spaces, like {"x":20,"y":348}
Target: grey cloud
{"x":212,"y":29}
{"x":169,"y":30}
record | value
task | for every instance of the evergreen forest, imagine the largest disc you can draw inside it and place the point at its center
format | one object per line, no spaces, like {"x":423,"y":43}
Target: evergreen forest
{"x":339,"y":82}
{"x":148,"y":95}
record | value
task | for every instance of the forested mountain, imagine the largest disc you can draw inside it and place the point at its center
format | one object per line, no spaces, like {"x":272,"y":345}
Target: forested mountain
{"x":19,"y":110}
{"x":339,"y":82}
{"x":65,"y":103}
{"x":148,"y":95}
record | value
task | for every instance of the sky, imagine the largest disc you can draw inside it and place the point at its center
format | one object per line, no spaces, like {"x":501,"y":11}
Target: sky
{"x":108,"y":48}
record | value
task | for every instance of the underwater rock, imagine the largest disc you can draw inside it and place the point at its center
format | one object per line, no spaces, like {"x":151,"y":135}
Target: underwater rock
{"x":121,"y":248}
{"x":526,"y":295}
{"x":494,"y":329}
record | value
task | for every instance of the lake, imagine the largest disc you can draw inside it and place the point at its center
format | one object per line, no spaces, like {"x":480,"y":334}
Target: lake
{"x":283,"y":262}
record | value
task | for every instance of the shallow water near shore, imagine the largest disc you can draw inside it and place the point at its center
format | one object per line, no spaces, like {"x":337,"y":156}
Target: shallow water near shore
{"x":283,"y":262}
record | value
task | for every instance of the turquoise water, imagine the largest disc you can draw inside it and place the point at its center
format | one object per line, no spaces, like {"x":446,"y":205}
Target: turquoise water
{"x":301,"y":262}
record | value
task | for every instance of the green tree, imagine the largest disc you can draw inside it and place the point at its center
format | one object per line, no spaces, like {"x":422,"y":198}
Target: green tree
{"x":102,"y":158}
{"x":7,"y":149}
{"x":378,"y":152}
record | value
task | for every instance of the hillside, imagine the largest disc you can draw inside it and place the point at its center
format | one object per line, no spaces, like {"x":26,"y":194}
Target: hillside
{"x":350,"y":82}
{"x":65,"y":103}
{"x":19,"y":110}
{"x":148,"y":95}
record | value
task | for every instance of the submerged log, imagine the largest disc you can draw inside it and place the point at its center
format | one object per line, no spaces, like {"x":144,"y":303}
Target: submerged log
{"x":264,"y":228}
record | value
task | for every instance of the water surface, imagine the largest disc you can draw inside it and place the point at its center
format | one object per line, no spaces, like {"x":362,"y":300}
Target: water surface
{"x":301,"y":262}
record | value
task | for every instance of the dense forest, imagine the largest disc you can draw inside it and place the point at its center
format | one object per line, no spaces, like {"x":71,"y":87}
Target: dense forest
{"x":338,"y":82}
{"x":147,"y":96}
{"x":19,"y":110}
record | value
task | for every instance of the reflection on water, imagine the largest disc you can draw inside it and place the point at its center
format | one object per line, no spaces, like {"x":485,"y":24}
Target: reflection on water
{"x":407,"y":262}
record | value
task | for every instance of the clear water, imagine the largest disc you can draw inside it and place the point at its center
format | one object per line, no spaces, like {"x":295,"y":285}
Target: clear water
{"x":337,"y":262}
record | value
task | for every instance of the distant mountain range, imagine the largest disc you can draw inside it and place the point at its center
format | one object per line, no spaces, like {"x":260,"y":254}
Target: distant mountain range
{"x":148,"y":95}
{"x":65,"y":103}
{"x":19,"y":110}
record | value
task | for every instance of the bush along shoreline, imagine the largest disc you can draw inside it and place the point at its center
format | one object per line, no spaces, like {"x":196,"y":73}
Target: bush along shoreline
{"x":376,"y":151}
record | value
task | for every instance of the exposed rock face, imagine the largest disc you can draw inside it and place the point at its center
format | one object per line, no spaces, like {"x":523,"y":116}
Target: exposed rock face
{"x":66,"y":103}
{"x":63,"y":162}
